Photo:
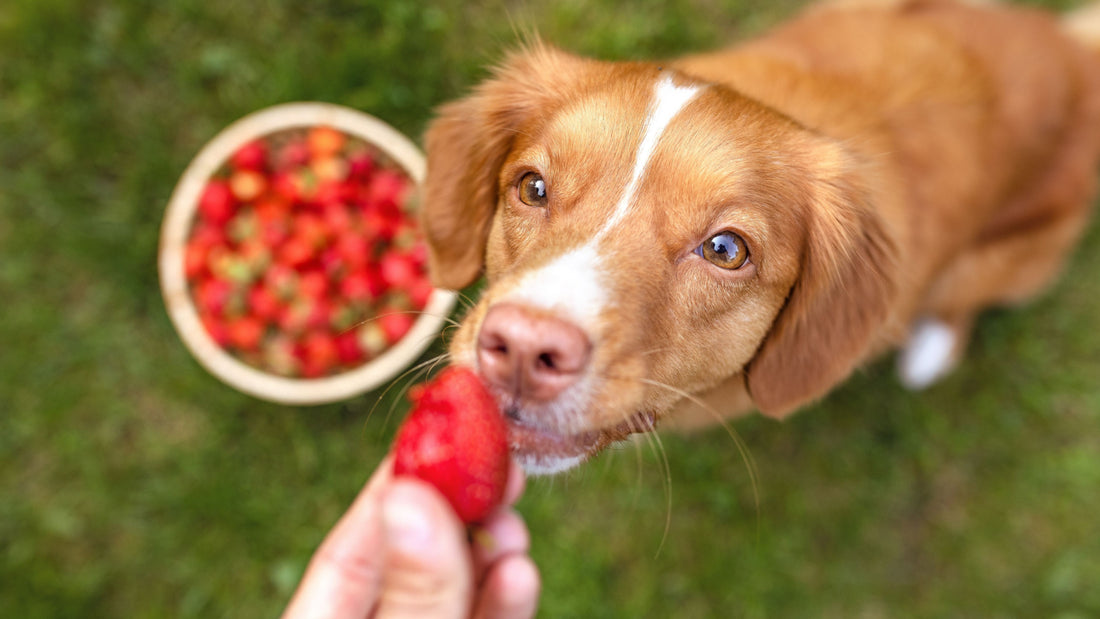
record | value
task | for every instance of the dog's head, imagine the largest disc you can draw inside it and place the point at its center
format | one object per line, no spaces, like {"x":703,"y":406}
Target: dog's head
{"x":645,"y":236}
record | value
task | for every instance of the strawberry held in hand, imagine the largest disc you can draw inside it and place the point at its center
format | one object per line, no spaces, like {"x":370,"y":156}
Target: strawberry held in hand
{"x":456,"y":439}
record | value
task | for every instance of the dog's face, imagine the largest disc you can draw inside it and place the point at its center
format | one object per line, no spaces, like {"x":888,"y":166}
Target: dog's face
{"x":645,"y":237}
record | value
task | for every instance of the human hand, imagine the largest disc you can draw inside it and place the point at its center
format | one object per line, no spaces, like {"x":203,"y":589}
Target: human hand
{"x":400,"y":551}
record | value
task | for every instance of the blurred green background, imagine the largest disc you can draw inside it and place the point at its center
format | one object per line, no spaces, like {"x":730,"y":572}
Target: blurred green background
{"x":134,"y":484}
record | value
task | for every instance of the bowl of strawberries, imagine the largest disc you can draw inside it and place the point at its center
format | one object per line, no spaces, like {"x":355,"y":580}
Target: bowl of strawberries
{"x":291,"y":262}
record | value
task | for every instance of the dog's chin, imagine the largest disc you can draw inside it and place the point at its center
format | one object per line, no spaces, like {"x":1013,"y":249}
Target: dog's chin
{"x":542,"y":451}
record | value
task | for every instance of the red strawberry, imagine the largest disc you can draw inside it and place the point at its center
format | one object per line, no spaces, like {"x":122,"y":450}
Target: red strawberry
{"x":348,"y":348}
{"x":251,"y":156}
{"x":274,"y":229}
{"x":337,"y":216}
{"x":360,"y":165}
{"x":419,"y":253}
{"x":209,"y":235}
{"x":257,"y":255}
{"x":241,"y":226}
{"x":194,"y":259}
{"x":319,"y":354}
{"x":282,"y":281}
{"x":247,"y":185}
{"x":213,"y":295}
{"x":332,"y":263}
{"x":215,"y":327}
{"x":378,"y":225}
{"x":263,"y":303}
{"x":294,"y":154}
{"x":296,"y":251}
{"x":399,"y":269}
{"x":357,"y":286}
{"x":456,"y":439}
{"x":389,"y":187}
{"x":420,"y":292}
{"x":312,"y":228}
{"x":353,"y":248}
{"x":216,"y":203}
{"x":285,"y":185}
{"x":272,"y":206}
{"x":246,"y":332}
{"x":324,"y":141}
{"x":321,"y":313}
{"x":378,"y":285}
{"x":305,"y":184}
{"x":294,"y":317}
{"x":313,"y":284}
{"x":229,"y":265}
{"x":331,"y":168}
{"x":330,"y":193}
{"x":395,"y":324}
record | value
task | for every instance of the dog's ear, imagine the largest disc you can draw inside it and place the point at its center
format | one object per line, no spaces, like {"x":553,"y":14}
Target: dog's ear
{"x":840,"y":301}
{"x":467,"y":145}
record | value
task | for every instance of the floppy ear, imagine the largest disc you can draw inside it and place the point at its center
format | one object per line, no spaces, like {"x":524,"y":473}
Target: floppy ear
{"x":467,"y":145}
{"x":837,"y":306}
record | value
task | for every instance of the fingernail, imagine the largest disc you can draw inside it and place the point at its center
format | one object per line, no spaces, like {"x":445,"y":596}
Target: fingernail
{"x":408,"y":527}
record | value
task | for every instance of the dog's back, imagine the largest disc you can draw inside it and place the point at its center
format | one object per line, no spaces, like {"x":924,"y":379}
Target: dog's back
{"x":981,"y":124}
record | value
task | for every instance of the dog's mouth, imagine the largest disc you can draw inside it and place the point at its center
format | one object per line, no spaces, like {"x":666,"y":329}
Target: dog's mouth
{"x":543,"y":451}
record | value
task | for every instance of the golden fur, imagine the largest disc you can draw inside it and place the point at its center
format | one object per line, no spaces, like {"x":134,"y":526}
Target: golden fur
{"x":885,"y":162}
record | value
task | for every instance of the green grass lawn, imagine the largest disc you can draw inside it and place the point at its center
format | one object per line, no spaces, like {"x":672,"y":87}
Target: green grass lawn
{"x":134,"y":484}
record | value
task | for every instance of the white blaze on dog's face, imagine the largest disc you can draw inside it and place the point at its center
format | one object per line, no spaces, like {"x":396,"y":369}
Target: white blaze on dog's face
{"x":640,"y":227}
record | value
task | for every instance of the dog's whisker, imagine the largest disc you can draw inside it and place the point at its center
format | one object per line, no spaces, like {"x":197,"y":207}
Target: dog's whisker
{"x":656,"y":445}
{"x":446,"y":318}
{"x":640,"y":468}
{"x":417,"y":371}
{"x":658,"y":448}
{"x":465,"y":301}
{"x":742,"y":447}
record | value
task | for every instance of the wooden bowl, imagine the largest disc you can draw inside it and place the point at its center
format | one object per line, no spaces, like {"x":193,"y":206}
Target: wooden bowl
{"x":177,"y":226}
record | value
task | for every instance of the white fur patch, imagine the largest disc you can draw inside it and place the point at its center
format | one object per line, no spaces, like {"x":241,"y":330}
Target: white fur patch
{"x":571,"y":285}
{"x":1084,"y":24}
{"x":548,"y":465}
{"x":929,"y":355}
{"x":574,"y":286}
{"x":668,"y":100}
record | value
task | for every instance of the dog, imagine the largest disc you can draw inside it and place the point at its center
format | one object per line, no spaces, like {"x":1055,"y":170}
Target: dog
{"x":741,"y":230}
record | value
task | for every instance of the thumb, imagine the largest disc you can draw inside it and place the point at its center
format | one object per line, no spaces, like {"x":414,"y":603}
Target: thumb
{"x":428,"y":569}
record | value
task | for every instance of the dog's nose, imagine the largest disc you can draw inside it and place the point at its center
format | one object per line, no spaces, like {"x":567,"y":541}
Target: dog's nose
{"x":529,"y":354}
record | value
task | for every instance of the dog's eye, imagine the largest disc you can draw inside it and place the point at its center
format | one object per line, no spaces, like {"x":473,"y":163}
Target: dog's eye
{"x":532,"y":190}
{"x":725,"y":249}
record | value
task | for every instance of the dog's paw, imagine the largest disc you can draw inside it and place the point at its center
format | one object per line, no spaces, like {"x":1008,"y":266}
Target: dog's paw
{"x":931,"y":353}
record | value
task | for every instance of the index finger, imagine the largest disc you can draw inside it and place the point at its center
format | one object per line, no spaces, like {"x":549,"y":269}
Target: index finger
{"x":344,"y":575}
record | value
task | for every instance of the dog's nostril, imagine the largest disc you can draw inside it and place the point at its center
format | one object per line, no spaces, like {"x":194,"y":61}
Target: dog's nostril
{"x":546,"y":361}
{"x":529,"y":354}
{"x":494,"y":344}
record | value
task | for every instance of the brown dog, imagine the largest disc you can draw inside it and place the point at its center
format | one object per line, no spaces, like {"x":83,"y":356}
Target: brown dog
{"x":742,"y":229}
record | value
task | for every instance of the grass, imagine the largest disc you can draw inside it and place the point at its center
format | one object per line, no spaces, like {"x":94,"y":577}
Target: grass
{"x":134,"y":484}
